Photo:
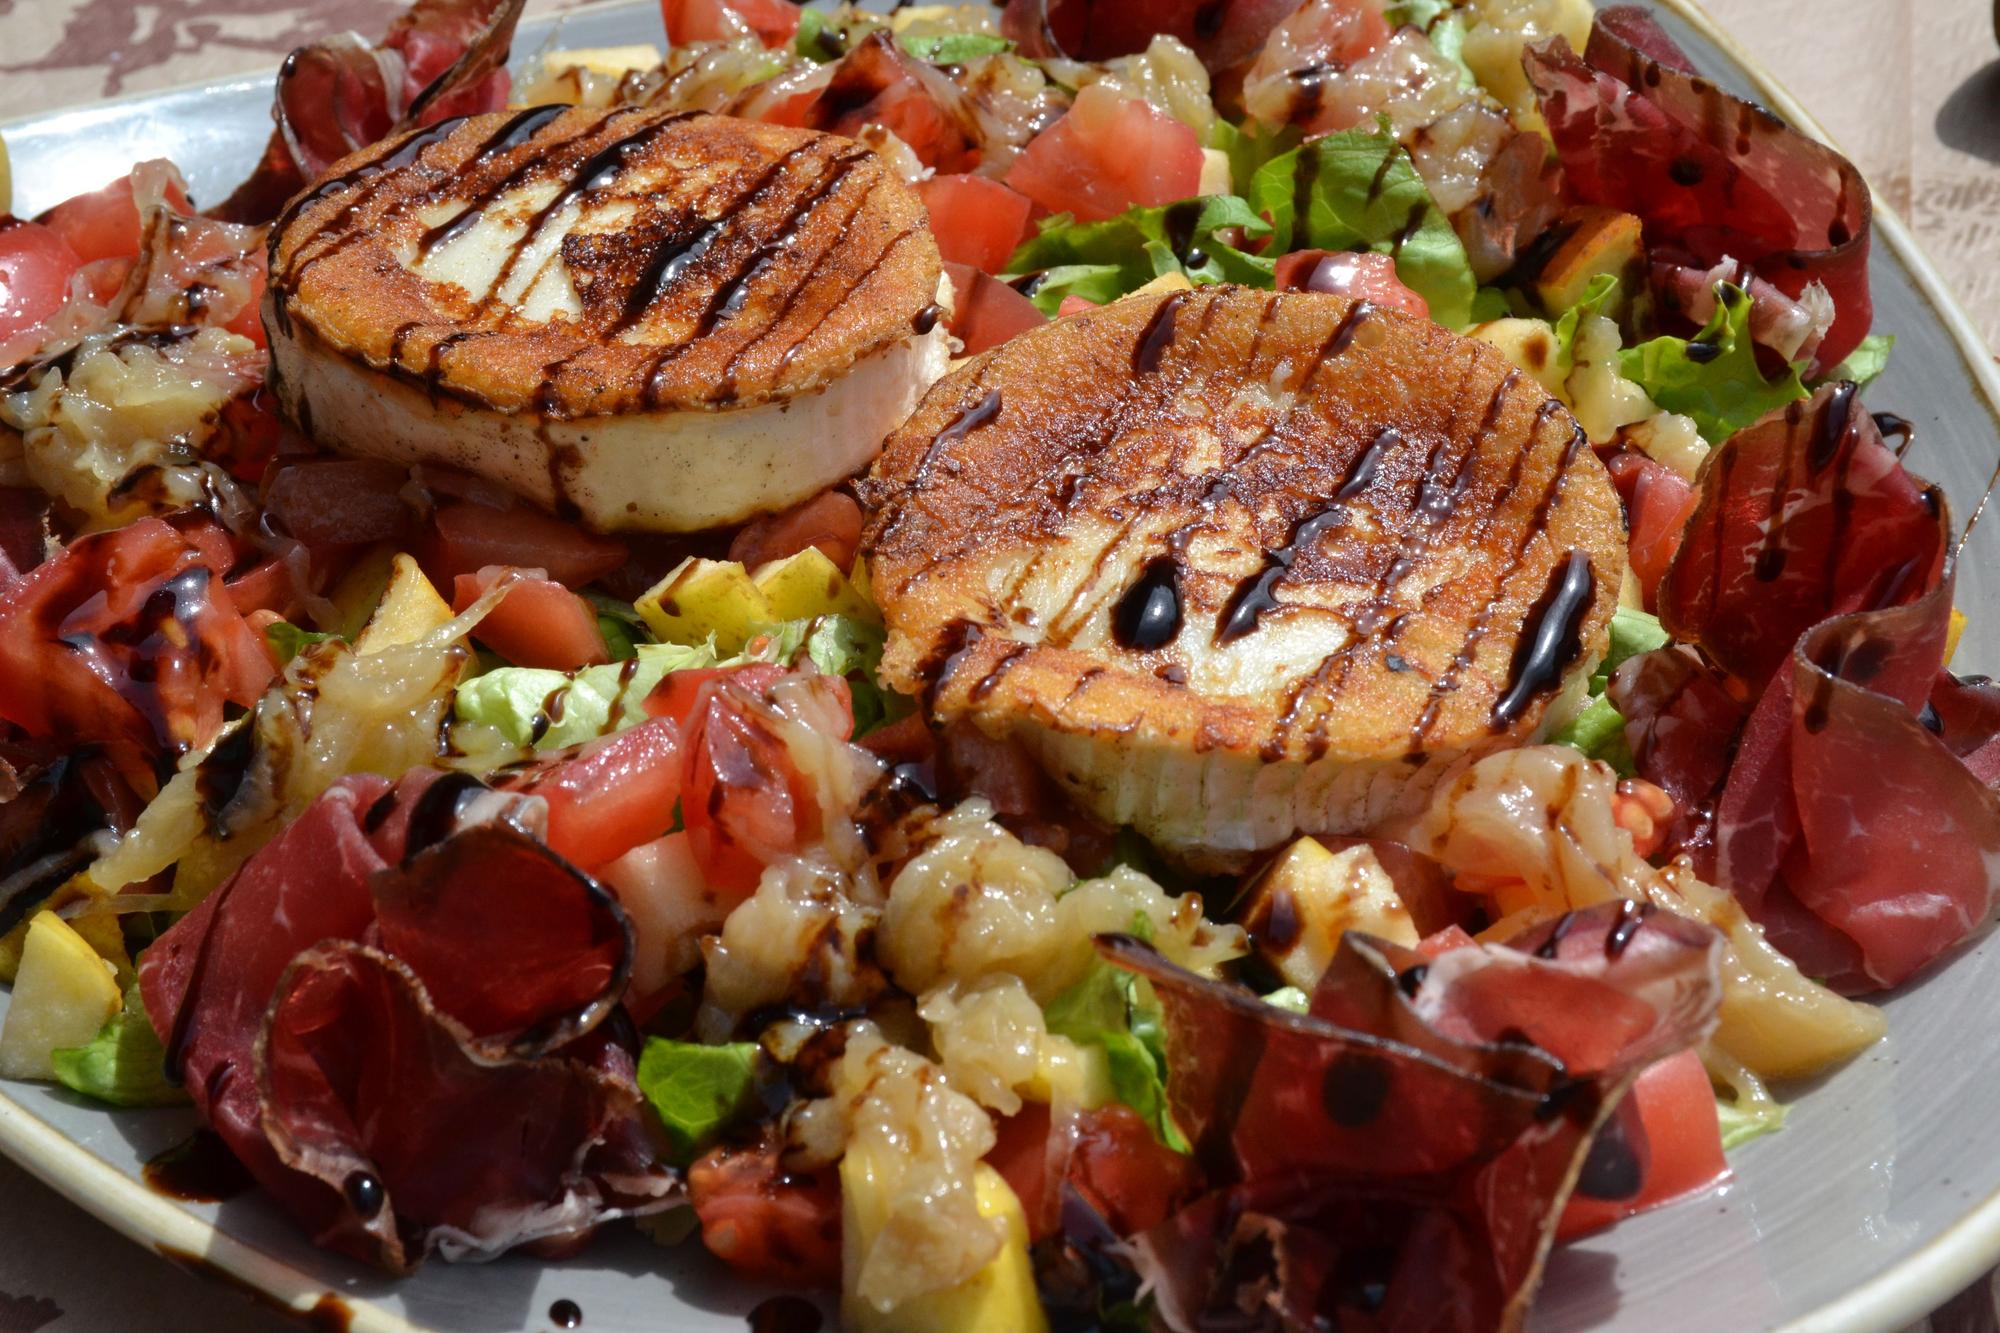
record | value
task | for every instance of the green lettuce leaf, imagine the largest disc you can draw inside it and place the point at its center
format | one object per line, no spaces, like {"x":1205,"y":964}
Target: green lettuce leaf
{"x":1249,"y":146}
{"x":1632,"y":632}
{"x":124,"y":1064}
{"x":286,"y":639}
{"x":845,"y":646}
{"x":533,"y":706}
{"x":1361,"y":192}
{"x":1598,"y":731}
{"x":1115,"y":1011}
{"x":621,"y":626}
{"x":1713,"y":376}
{"x":697,"y":1091}
{"x":1600,"y":291}
{"x":1865,"y":362}
{"x":1740,"y":1123}
{"x":1102,"y":261}
{"x":951,"y":48}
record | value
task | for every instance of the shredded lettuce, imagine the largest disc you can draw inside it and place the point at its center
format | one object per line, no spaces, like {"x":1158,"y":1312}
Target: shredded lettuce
{"x":516,"y":701}
{"x":1713,"y":376}
{"x":1249,"y":146}
{"x":1632,"y":632}
{"x":697,"y":1091}
{"x":951,"y":48}
{"x":1114,"y":1010}
{"x":124,"y":1064}
{"x":1741,"y":1123}
{"x":1598,"y":731}
{"x":533,"y":707}
{"x":1361,"y":192}
{"x":287,"y":639}
{"x":1102,"y":261}
{"x":1600,"y":291}
{"x":1865,"y":362}
{"x":621,"y":626}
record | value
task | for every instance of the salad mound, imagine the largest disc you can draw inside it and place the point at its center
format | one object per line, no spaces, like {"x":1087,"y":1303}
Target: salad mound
{"x":482,"y":881}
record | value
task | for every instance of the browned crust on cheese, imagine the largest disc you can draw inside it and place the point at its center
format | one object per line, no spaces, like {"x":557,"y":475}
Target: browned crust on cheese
{"x":796,"y":254}
{"x":1469,"y":489}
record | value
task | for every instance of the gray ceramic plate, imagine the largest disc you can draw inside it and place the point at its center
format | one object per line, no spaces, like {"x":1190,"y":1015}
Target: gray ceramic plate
{"x":1878,"y":1202}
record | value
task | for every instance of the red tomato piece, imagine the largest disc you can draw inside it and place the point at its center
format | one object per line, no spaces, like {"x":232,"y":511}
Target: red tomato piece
{"x":1444,"y":941}
{"x":977,"y":220}
{"x":465,"y":538}
{"x":830,"y":520}
{"x":681,"y":694}
{"x":1359,"y":276}
{"x":128,"y":639}
{"x":104,"y":224}
{"x":773,"y":21}
{"x":745,"y":803}
{"x":766,"y":1220}
{"x":1074,"y":305}
{"x":611,"y":795}
{"x":1106,"y":155}
{"x":1658,"y":504}
{"x":986,"y":311}
{"x":1682,"y":1152}
{"x":36,"y":264}
{"x":538,"y":622}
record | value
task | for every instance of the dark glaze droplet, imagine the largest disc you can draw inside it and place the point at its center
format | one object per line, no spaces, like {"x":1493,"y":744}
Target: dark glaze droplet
{"x":927,"y":319}
{"x":1905,"y":430}
{"x":1611,"y":1169}
{"x":1631,"y":916}
{"x":786,"y":1314}
{"x":1179,"y":223}
{"x":1148,"y":615}
{"x":1030,"y":283}
{"x":1281,"y":923}
{"x":1411,"y":979}
{"x":364,"y":1194}
{"x":1303,"y":179}
{"x":1701,"y":353}
{"x":1551,"y":638}
{"x":1831,"y":428}
{"x":435,"y":816}
{"x":1552,"y":946}
{"x":566,"y":1314}
{"x":1355,"y":1088}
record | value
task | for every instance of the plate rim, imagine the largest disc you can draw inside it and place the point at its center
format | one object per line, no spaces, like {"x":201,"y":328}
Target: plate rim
{"x":1909,"y":1289}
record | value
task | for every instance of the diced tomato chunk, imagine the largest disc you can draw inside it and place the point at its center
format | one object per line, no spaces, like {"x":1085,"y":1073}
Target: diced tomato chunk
{"x":1444,"y":941}
{"x":104,"y":224}
{"x":1678,"y":1152}
{"x":986,"y":311}
{"x":976,"y":219}
{"x":1359,"y":276}
{"x":1074,"y":305}
{"x":36,"y":264}
{"x":767,"y":1220}
{"x":1658,"y":504}
{"x":611,"y":795}
{"x":1020,"y":1153}
{"x":128,"y":639}
{"x":1107,"y":154}
{"x":773,"y":21}
{"x":465,"y":538}
{"x":538,"y":622}
{"x":830,"y":520}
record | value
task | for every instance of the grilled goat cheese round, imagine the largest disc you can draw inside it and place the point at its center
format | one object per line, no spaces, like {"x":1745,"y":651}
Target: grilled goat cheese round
{"x":1236,"y":565}
{"x":643,"y":319}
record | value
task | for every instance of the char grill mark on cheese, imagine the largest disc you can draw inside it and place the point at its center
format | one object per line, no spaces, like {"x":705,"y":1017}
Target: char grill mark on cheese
{"x":647,"y":319}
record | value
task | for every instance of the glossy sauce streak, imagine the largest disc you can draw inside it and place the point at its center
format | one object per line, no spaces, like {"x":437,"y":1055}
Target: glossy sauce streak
{"x":435,"y":816}
{"x":199,"y":1169}
{"x":1905,"y":430}
{"x":1551,"y":638}
{"x":1256,"y":596}
{"x":664,"y":269}
{"x":1157,"y":336}
{"x":1631,"y":916}
{"x":566,"y":1314}
{"x":1148,"y":615}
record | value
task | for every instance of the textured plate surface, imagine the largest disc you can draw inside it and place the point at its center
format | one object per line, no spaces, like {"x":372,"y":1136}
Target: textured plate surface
{"x":1879,"y":1200}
